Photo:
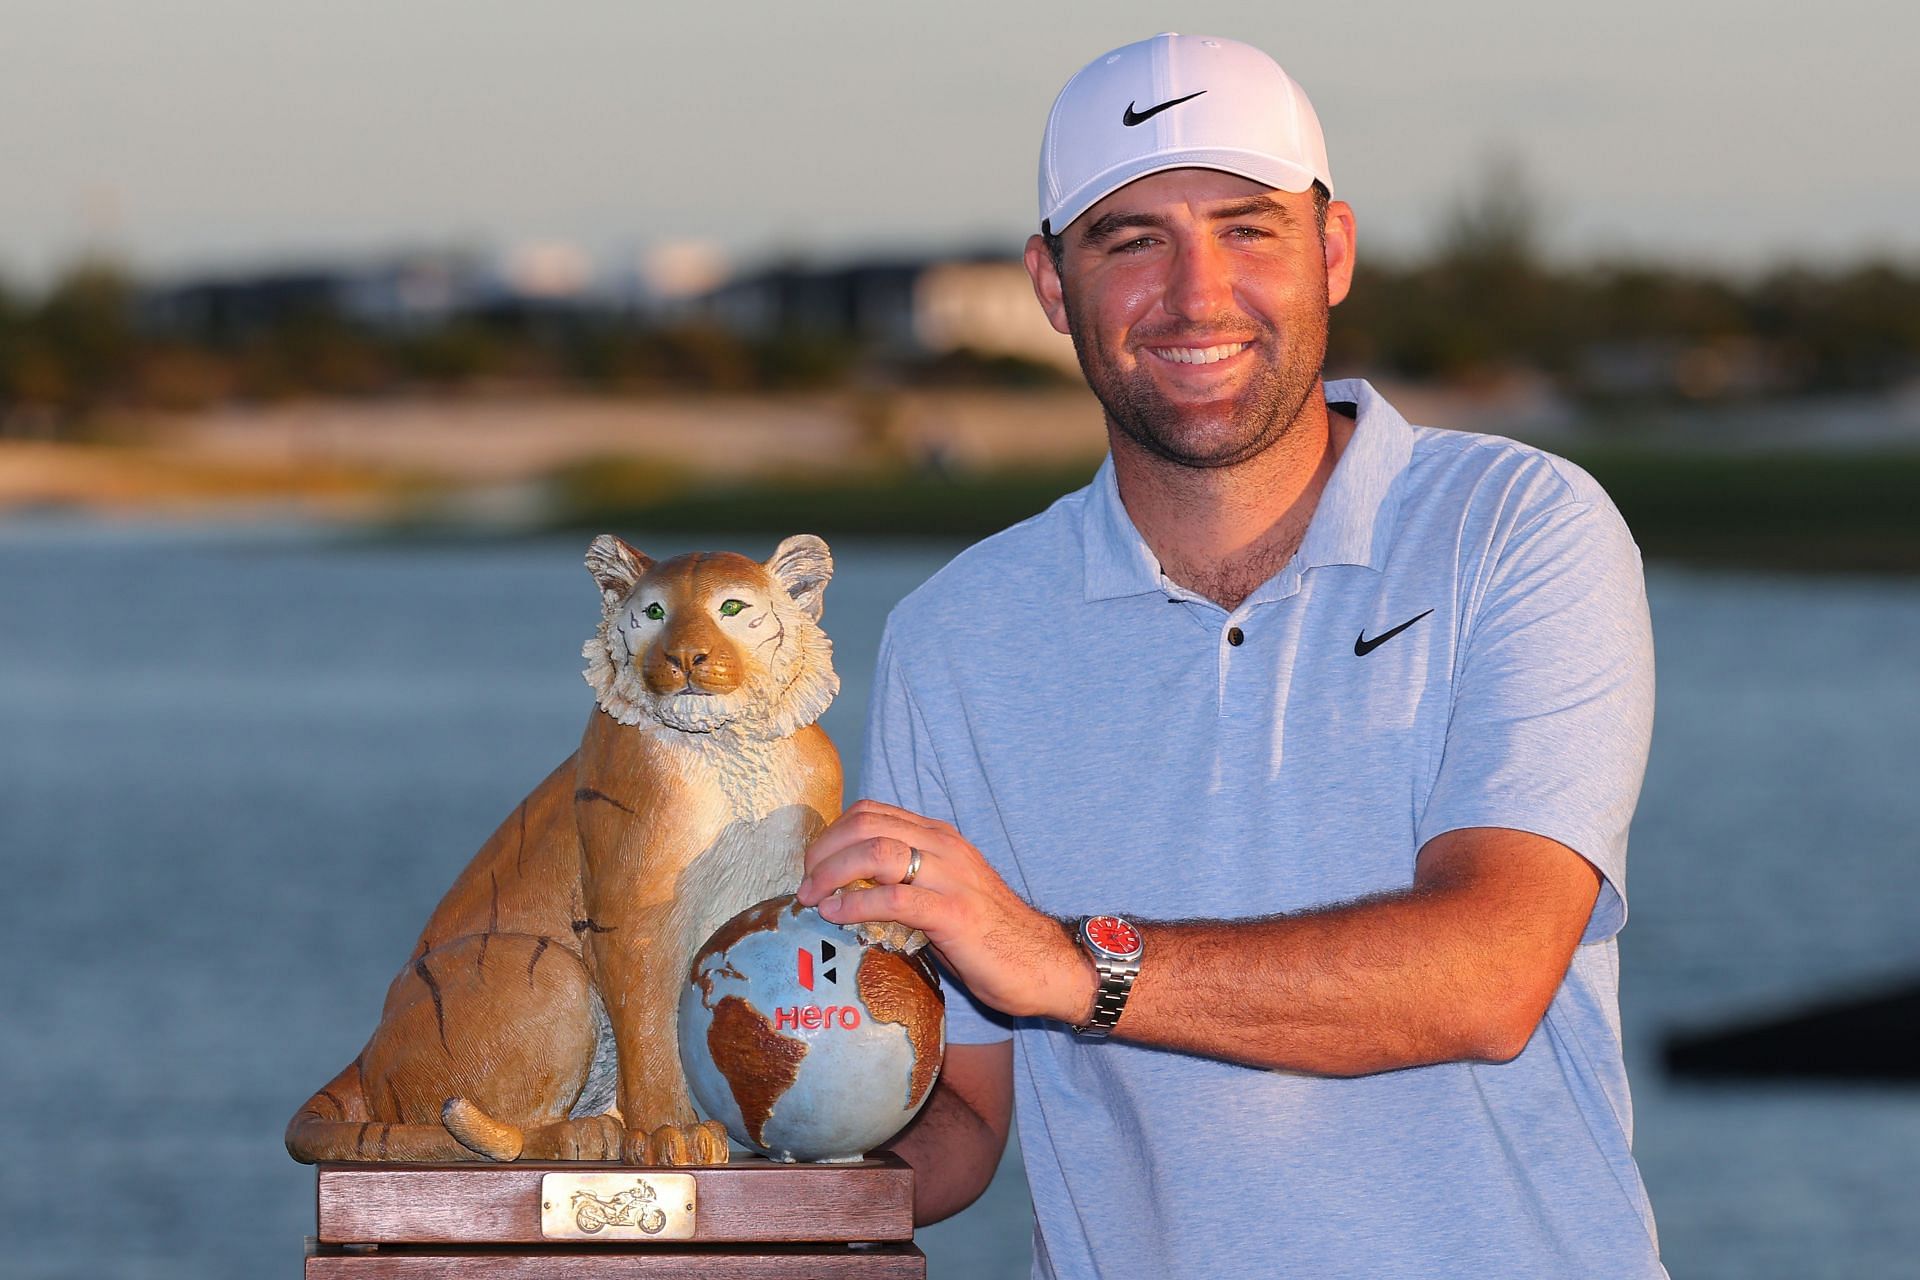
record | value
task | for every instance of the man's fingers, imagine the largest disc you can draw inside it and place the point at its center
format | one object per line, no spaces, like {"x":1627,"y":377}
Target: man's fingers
{"x":849,"y":829}
{"x":869,"y":820}
{"x":881,"y":858}
{"x":884,"y":809}
{"x":908,"y":904}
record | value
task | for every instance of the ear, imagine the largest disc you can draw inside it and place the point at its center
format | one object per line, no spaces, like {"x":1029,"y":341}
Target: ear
{"x":616,"y":567}
{"x":803,"y":565}
{"x":1046,"y":284}
{"x":1339,"y":243}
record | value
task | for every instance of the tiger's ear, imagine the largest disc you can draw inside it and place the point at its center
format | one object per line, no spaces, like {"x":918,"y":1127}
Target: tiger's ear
{"x":803,"y":565}
{"x":616,"y":567}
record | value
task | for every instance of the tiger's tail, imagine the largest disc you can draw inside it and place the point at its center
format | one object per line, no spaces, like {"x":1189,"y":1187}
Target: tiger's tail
{"x":481,"y":1133}
{"x":337,"y":1124}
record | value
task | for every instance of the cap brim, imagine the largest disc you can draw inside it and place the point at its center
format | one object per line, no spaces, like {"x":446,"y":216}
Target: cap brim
{"x":1281,"y":175}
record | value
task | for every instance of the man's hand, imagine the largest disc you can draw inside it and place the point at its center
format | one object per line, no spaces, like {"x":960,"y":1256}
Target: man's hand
{"x":1010,"y":956}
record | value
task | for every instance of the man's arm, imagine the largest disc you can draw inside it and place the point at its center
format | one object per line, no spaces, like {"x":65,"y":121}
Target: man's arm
{"x":954,"y":1144}
{"x":1462,"y":965}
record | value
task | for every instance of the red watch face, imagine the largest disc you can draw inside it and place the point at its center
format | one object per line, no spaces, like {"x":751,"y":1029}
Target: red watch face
{"x":1111,"y":933}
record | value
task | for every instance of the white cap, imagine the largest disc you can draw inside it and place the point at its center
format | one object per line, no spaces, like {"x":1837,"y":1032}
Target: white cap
{"x":1176,"y":102}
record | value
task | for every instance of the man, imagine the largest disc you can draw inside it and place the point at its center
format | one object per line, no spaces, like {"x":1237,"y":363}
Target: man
{"x":1332,"y":725}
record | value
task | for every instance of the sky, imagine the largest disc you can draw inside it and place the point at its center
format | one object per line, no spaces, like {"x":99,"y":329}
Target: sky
{"x":191,"y":136}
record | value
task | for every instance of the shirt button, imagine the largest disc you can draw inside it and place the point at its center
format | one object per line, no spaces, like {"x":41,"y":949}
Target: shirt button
{"x":1235,"y":636}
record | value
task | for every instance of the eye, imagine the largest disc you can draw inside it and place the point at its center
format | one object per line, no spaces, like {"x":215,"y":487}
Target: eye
{"x":729,"y":608}
{"x":655,"y":612}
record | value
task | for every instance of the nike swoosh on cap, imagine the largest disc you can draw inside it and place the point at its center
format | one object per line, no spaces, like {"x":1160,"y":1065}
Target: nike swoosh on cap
{"x":1130,"y":117}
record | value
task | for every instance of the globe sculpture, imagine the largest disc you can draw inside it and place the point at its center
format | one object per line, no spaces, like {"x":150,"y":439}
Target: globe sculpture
{"x":806,"y":1043}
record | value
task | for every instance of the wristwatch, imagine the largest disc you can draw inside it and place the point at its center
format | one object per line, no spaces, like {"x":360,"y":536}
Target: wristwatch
{"x":1116,"y":946}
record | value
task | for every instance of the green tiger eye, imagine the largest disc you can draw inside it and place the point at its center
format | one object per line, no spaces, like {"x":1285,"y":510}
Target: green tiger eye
{"x":731,"y":607}
{"x":655,"y":612}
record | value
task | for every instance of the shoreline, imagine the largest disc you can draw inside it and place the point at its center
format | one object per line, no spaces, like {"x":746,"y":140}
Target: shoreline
{"x":911,"y":465}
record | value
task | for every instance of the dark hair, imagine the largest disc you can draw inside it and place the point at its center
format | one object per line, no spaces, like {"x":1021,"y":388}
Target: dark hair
{"x":1057,"y":248}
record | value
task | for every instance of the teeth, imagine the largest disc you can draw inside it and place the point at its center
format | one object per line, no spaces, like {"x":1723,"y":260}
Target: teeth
{"x":1199,"y":355}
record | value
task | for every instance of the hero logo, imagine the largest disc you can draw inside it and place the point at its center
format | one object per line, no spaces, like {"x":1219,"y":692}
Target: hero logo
{"x":812,"y":1017}
{"x":827,"y":953}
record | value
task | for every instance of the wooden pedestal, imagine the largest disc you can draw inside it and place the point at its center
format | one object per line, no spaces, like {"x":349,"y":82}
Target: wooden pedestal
{"x":752,"y":1218}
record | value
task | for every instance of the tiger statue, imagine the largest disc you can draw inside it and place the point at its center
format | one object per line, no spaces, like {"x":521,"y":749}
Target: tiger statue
{"x":536,"y":1016}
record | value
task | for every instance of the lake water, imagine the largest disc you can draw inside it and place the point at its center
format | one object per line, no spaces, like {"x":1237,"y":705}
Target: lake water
{"x":240,"y":767}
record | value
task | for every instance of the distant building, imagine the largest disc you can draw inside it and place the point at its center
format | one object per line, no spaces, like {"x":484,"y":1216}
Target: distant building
{"x":672,"y":277}
{"x":902,"y":308}
{"x":549,"y":271}
{"x":870,"y":303}
{"x":416,"y":291}
{"x":912,"y":307}
{"x":232,"y":308}
{"x":397,"y":294}
{"x":987,"y":307}
{"x":408,"y":292}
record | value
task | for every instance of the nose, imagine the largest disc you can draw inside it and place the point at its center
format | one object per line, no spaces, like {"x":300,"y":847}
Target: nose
{"x":687,"y":656}
{"x":1199,"y":286}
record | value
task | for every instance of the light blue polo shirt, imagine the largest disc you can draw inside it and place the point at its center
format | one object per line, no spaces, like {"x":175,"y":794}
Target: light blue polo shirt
{"x":1461,"y":641}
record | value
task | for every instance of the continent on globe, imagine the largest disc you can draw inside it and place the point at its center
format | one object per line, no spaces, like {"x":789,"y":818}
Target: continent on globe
{"x":894,"y":990}
{"x":761,"y":1064}
{"x":804,"y":1042}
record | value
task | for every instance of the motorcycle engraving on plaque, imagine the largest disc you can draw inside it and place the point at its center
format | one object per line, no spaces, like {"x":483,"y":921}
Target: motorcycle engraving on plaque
{"x":617,"y":1206}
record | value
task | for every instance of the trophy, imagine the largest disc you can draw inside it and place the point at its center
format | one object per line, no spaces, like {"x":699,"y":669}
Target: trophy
{"x":621,"y":978}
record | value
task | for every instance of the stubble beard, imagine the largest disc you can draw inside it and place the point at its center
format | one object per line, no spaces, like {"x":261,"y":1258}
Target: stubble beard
{"x":1262,"y":413}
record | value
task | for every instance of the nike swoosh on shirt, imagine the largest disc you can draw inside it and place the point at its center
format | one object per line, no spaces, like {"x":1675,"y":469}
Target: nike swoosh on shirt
{"x":1130,"y":117}
{"x":1363,"y":646}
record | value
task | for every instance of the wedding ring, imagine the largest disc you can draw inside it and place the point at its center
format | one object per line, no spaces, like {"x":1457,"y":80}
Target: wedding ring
{"x":913,"y":867}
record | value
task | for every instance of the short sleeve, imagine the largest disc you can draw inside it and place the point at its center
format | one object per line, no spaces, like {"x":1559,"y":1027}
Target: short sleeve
{"x":1553,"y":696}
{"x":900,"y":768}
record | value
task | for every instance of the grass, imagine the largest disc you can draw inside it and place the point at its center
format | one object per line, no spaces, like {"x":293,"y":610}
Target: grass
{"x":1812,"y":511}
{"x":36,"y":475}
{"x":1799,"y":511}
{"x":879,"y":503}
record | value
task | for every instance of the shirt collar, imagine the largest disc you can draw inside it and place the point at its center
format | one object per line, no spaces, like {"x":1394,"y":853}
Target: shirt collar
{"x":1353,"y":523}
{"x":1119,"y":561}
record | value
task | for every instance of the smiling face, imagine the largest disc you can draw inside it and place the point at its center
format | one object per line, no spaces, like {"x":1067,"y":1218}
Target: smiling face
{"x":1197,"y":301}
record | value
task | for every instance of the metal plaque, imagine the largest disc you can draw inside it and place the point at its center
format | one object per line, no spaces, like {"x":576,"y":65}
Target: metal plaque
{"x":619,"y":1206}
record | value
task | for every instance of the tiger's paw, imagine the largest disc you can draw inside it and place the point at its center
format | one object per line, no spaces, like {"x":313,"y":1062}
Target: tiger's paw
{"x":672,"y":1146}
{"x":586,"y":1138}
{"x":891,"y":935}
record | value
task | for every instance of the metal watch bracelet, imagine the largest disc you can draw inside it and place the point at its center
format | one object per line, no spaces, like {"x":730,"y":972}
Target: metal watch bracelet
{"x":1109,"y":999}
